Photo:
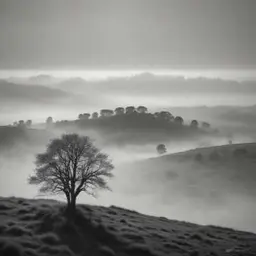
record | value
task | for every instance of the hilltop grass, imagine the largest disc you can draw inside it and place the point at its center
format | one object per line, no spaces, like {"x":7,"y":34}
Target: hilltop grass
{"x":38,"y":227}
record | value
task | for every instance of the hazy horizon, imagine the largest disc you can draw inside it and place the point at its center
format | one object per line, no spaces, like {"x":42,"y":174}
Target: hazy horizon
{"x":101,"y":74}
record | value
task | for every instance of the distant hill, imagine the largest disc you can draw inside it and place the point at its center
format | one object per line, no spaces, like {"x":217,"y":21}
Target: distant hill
{"x":227,"y":153}
{"x":12,"y":92}
{"x":37,"y":228}
{"x":138,"y":128}
{"x":11,"y":138}
{"x":41,"y":79}
{"x":209,"y":171}
{"x":219,"y":186}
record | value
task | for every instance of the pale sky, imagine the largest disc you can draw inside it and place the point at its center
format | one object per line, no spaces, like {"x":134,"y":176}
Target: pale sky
{"x":127,"y":34}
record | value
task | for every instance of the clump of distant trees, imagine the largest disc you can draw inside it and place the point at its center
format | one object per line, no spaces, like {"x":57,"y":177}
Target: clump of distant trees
{"x":28,"y":124}
{"x":23,"y":124}
{"x":126,"y":119}
{"x":137,"y":117}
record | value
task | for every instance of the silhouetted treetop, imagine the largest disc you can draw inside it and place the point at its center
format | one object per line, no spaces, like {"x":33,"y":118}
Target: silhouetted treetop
{"x":134,"y":119}
{"x":161,"y":149}
{"x":28,"y":123}
{"x":179,"y":120}
{"x":95,"y":115}
{"x":142,"y":110}
{"x":119,"y":111}
{"x":130,"y":110}
{"x":194,"y":124}
{"x":106,"y":112}
{"x":84,"y":116}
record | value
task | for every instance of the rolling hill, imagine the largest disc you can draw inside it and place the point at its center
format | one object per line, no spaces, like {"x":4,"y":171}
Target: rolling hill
{"x":227,"y":168}
{"x":37,"y":227}
{"x":227,"y":154}
{"x":224,"y":167}
{"x":212,"y":190}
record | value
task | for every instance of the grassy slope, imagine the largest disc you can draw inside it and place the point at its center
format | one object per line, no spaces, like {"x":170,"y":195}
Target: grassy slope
{"x":228,"y":162}
{"x":225,"y":150}
{"x":37,"y":227}
{"x":229,"y":173}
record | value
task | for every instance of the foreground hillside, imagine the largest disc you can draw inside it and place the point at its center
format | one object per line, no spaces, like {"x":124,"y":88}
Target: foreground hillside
{"x":37,"y":227}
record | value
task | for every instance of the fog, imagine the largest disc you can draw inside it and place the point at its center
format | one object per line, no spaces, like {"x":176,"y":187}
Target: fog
{"x":171,"y":188}
{"x":64,"y":98}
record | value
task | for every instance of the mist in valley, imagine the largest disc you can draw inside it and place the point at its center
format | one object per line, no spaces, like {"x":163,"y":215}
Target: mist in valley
{"x":176,"y":189}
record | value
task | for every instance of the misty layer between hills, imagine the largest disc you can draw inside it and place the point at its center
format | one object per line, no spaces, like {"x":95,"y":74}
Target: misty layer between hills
{"x":177,"y":186}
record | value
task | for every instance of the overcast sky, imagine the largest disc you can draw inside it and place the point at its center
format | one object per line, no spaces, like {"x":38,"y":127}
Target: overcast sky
{"x":127,"y":34}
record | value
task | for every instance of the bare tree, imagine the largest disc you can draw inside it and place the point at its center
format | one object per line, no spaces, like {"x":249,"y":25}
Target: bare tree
{"x":71,"y":165}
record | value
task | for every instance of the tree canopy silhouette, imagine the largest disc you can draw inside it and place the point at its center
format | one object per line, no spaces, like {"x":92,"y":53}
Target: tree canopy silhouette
{"x":119,"y":111}
{"x":194,"y":124}
{"x":161,"y":149}
{"x":179,"y":120}
{"x":142,"y":109}
{"x":71,"y":165}
{"x":95,"y":115}
{"x":84,"y":116}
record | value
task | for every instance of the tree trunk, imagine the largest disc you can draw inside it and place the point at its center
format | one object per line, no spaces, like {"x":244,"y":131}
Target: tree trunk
{"x":71,"y":207}
{"x":73,"y":204}
{"x":68,"y":198}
